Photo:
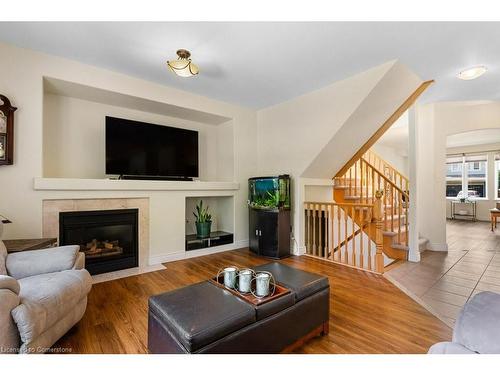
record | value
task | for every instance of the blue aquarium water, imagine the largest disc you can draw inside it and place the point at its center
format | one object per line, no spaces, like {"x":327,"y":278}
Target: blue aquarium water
{"x":269,"y":192}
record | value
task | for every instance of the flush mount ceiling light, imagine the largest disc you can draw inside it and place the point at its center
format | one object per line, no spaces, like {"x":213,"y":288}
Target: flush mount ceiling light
{"x":183,"y":66}
{"x":472,"y":73}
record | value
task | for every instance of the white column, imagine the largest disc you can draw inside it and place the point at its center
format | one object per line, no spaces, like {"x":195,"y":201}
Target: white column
{"x":465,"y":177}
{"x":414,"y":253}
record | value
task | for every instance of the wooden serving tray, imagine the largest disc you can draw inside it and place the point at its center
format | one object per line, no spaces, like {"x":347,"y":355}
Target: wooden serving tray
{"x":249,"y":297}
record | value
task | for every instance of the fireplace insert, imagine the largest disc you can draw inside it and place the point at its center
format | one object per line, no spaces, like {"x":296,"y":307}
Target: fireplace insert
{"x":108,"y":238}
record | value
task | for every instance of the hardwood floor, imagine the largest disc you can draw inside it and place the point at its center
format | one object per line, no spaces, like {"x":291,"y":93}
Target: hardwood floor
{"x":367,"y":314}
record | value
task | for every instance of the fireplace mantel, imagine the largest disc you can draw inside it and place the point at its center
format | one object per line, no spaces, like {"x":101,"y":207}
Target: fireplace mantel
{"x":75,"y":184}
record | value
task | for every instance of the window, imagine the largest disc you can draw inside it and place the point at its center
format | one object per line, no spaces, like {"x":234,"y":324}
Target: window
{"x":466,"y":176}
{"x":454,"y":168}
{"x":477,"y":166}
{"x":497,"y":176}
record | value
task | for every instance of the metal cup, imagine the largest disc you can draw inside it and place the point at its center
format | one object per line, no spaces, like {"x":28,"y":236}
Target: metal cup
{"x":229,"y":277}
{"x":262,"y":281}
{"x":245,"y":280}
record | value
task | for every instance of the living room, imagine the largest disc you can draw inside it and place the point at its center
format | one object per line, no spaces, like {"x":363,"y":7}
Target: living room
{"x":167,"y":189}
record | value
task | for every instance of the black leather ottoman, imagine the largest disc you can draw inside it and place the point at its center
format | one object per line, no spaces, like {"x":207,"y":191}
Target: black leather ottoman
{"x":204,"y":318}
{"x":303,"y":284}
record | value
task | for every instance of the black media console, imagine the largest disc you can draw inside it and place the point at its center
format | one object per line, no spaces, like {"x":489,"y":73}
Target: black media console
{"x":216,"y":239}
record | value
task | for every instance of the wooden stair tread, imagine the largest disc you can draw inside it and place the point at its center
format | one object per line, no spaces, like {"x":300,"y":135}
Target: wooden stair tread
{"x":400,"y":246}
{"x":393,"y":217}
{"x":364,"y":208}
{"x":391,"y":233}
{"x":352,"y":197}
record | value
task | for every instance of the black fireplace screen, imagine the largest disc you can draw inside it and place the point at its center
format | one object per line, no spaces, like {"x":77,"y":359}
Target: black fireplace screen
{"x":108,"y":238}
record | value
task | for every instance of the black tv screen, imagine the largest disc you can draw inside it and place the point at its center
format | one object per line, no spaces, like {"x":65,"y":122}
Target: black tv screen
{"x":136,"y":148}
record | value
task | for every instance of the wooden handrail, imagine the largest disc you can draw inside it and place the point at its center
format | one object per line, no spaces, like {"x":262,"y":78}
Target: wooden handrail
{"x":341,"y":204}
{"x":394,"y":171}
{"x":385,"y":126}
{"x":394,"y":200}
{"x":386,"y":178}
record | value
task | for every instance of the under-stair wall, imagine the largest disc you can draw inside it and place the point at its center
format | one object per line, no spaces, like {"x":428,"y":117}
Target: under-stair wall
{"x":385,"y":103}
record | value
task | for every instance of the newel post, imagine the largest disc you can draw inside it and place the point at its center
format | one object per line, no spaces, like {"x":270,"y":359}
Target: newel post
{"x":379,"y":226}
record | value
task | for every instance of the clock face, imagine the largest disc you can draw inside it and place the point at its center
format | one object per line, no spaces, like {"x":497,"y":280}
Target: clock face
{"x":2,"y":147}
{"x":3,"y":123}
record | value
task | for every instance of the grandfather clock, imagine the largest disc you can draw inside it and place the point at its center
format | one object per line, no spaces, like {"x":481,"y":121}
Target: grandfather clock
{"x":6,"y":131}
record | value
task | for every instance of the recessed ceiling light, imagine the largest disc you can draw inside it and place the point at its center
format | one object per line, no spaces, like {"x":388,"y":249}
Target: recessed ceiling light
{"x":183,"y":66}
{"x":472,"y":73}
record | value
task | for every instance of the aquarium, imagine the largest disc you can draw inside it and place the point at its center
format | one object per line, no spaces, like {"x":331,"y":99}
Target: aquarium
{"x":269,"y":192}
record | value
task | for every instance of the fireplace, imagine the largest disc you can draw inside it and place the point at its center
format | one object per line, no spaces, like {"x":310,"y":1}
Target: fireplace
{"x":109,"y":238}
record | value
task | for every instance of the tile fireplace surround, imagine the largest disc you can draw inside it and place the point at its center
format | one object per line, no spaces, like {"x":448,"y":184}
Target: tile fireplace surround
{"x":52,"y":207}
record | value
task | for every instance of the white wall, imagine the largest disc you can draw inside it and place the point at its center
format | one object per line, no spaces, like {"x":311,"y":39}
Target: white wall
{"x":221,"y":209}
{"x":396,"y":157}
{"x":395,"y":86}
{"x":73,"y":137}
{"x":311,"y":137}
{"x":21,"y":80}
{"x":286,"y":138}
{"x":435,"y":123}
{"x":291,"y":134}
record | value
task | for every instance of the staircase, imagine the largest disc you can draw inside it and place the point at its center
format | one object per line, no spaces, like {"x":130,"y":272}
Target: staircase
{"x":367,"y":176}
{"x":367,"y":224}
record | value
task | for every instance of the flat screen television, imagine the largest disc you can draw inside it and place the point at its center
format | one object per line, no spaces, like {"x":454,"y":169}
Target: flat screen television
{"x":139,"y":149}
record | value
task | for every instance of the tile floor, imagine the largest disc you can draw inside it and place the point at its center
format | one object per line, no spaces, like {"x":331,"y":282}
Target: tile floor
{"x":444,"y":282}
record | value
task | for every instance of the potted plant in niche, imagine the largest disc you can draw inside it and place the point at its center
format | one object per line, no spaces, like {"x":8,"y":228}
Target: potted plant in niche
{"x":203,"y":221}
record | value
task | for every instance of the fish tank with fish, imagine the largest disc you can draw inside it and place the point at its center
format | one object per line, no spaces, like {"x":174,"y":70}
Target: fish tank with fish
{"x":268,"y":193}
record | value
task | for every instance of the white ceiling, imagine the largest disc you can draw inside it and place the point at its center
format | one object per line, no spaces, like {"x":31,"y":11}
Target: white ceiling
{"x":473,"y":138}
{"x":261,"y":64}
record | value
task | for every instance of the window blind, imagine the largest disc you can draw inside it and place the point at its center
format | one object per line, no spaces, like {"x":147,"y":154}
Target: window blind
{"x":475,"y":158}
{"x":454,"y":159}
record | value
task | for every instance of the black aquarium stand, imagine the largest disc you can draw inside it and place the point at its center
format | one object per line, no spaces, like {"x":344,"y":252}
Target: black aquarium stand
{"x":269,"y":232}
{"x":269,"y":204}
{"x":216,"y":239}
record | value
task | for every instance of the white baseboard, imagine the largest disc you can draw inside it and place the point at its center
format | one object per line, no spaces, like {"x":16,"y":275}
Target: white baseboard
{"x":108,"y":276}
{"x":433,"y":246}
{"x":301,"y":250}
{"x":179,"y":255}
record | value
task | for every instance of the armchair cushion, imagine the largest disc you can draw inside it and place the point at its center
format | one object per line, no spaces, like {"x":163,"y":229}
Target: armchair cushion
{"x":47,"y":298}
{"x":36,"y":262}
{"x":9,"y":335}
{"x":478,"y":326}
{"x":449,"y":348}
{"x":7,"y":282}
{"x":3,"y":257}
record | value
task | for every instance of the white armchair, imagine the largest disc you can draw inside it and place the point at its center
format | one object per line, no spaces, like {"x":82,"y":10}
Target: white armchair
{"x":477,"y":329}
{"x":43,"y":293}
